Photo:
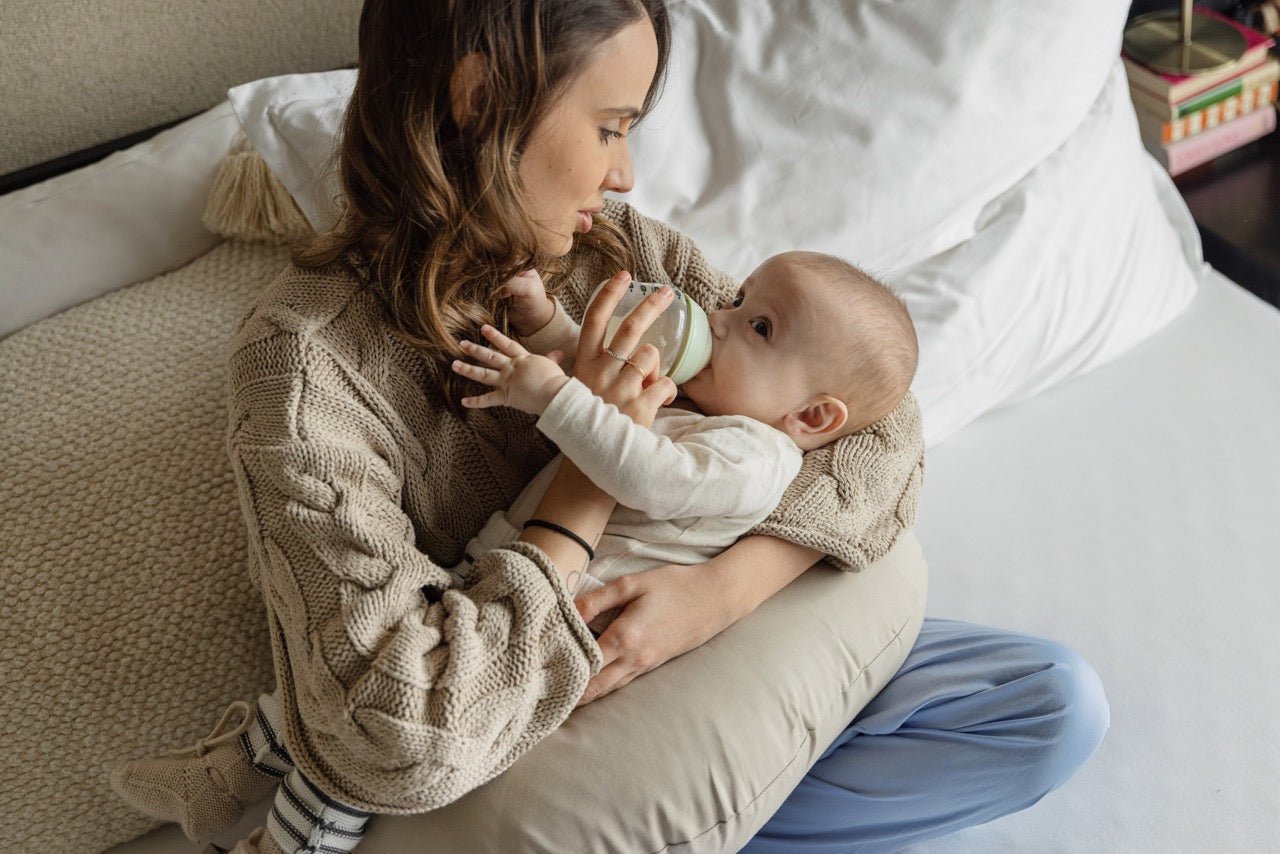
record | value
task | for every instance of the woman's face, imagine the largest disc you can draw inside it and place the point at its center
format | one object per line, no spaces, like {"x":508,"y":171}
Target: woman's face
{"x":579,"y":150}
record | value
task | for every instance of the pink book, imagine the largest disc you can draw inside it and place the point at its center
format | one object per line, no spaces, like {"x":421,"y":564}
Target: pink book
{"x":1180,"y":156}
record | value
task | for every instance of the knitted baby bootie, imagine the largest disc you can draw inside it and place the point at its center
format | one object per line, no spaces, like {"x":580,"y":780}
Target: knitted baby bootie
{"x":204,"y":788}
{"x":258,"y":842}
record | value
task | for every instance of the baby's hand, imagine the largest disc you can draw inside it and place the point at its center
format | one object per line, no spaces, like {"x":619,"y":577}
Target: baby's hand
{"x":519,"y":379}
{"x":529,"y":308}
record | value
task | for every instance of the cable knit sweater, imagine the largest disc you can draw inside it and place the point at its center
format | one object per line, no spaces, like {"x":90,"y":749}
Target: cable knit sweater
{"x":357,"y":486}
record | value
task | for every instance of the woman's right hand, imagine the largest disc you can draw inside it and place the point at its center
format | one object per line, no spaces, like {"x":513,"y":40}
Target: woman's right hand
{"x":635,"y":384}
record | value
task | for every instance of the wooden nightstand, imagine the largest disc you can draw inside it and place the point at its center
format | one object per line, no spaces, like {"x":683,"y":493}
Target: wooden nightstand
{"x":1235,"y":200}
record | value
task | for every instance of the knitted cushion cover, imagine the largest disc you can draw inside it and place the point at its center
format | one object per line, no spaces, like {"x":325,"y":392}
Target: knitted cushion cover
{"x":131,"y":620}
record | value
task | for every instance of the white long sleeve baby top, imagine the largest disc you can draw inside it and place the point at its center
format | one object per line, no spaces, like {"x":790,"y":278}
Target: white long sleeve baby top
{"x":687,"y":489}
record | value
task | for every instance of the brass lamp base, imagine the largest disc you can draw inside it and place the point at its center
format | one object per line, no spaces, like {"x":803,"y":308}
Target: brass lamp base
{"x":1162,"y":41}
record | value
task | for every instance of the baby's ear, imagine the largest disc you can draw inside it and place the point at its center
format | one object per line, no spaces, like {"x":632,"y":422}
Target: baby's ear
{"x":816,"y":422}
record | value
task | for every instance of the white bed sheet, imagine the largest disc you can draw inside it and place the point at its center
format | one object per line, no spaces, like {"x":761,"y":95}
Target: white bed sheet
{"x":1133,"y":514}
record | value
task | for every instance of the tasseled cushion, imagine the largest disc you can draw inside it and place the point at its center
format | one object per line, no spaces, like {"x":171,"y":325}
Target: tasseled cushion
{"x":248,"y":202}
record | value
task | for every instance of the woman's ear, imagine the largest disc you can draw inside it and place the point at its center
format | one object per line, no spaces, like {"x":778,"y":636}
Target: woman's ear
{"x":817,"y":422}
{"x":464,"y":88}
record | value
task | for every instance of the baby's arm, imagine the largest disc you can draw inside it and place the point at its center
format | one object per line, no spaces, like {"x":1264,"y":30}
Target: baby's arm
{"x":734,"y":468}
{"x":559,"y":333}
{"x":540,"y":320}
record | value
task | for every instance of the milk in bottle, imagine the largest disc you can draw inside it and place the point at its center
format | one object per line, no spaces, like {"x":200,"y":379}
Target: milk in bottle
{"x":681,"y":333}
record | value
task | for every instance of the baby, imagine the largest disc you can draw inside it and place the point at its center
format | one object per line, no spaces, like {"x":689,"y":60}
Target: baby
{"x":810,"y":350}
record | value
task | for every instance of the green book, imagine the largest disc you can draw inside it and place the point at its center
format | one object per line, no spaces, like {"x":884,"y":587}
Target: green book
{"x":1213,"y":96}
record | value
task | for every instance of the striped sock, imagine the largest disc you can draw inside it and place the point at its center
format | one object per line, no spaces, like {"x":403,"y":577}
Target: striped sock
{"x":262,"y":742}
{"x":305,"y":819}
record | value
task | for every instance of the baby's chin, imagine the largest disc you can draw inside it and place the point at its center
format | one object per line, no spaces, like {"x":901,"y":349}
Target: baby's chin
{"x":689,"y":394}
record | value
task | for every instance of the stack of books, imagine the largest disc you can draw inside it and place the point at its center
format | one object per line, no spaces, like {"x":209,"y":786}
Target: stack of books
{"x":1186,"y":121}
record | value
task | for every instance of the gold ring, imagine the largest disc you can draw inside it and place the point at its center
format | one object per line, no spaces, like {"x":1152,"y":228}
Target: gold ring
{"x":643,"y":374}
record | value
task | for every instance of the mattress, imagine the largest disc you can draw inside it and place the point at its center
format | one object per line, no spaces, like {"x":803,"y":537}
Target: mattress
{"x":1133,"y":514}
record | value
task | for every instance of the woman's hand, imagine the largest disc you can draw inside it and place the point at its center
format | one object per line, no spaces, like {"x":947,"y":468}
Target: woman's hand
{"x":665,"y":612}
{"x":630,"y":376}
{"x":519,"y":379}
{"x":528,"y":306}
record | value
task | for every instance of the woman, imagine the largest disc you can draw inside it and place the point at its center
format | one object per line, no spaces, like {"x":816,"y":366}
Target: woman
{"x":479,"y":142}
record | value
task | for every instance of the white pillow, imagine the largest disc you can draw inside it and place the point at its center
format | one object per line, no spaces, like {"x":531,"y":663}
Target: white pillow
{"x":870,"y":130}
{"x":127,"y":218}
{"x":294,"y":121}
{"x":1089,"y":254}
{"x":914,"y":114}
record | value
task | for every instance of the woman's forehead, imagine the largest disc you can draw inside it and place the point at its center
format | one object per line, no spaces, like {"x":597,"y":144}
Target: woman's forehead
{"x":620,"y":71}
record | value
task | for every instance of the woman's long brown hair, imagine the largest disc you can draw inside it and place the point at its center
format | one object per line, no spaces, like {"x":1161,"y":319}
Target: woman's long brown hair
{"x":432,"y":210}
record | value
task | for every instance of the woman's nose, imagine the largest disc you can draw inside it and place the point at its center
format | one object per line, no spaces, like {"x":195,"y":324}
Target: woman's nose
{"x":619,"y":178}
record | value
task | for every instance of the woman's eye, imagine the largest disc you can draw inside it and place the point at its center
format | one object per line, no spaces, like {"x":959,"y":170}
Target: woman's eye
{"x":761,"y":326}
{"x":607,"y":135}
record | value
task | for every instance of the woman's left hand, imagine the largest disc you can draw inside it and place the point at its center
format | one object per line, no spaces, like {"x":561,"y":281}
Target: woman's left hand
{"x":666,"y":611}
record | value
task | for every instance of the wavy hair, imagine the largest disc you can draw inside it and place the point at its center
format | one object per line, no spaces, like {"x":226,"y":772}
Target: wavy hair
{"x":433,"y":211}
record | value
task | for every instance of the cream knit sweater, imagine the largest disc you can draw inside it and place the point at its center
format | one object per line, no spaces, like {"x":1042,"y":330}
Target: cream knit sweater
{"x":351,"y":471}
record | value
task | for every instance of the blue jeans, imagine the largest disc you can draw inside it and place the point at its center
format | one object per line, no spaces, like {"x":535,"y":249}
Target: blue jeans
{"x":977,"y":724}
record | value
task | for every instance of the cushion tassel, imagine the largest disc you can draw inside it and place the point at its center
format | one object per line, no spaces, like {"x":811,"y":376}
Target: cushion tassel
{"x":248,"y":202}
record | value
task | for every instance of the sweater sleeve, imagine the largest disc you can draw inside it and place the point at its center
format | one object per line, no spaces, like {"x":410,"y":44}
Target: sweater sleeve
{"x":854,"y":497}
{"x":394,"y":701}
{"x":731,"y":467}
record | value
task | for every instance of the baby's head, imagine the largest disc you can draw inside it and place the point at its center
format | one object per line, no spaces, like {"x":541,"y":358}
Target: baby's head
{"x":812,"y":346}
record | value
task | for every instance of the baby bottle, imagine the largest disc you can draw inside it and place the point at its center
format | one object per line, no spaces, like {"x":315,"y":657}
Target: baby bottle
{"x":681,"y":333}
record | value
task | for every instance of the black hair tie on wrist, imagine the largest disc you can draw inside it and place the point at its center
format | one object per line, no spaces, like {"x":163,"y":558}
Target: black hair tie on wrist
{"x":560,"y":529}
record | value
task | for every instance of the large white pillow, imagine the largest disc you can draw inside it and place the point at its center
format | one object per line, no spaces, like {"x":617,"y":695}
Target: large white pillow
{"x":127,"y":218}
{"x":806,"y":119}
{"x":894,"y":122}
{"x":1089,"y":254}
{"x":981,"y":156}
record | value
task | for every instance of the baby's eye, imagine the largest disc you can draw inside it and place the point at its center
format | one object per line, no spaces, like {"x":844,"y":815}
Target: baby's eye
{"x":736,"y":301}
{"x":761,"y":326}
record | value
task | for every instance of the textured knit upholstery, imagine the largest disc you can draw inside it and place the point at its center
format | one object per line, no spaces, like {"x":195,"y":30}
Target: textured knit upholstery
{"x":131,"y":621}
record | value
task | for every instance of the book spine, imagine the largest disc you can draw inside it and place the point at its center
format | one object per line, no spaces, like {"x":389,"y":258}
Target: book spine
{"x":1254,"y":78}
{"x":1181,"y":156}
{"x":1218,"y":113}
{"x":1159,"y":108}
{"x":1153,"y":84}
{"x":1208,"y":99}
